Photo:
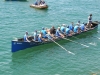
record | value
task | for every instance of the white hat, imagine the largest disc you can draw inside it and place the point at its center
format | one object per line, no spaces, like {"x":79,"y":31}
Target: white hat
{"x":58,"y":27}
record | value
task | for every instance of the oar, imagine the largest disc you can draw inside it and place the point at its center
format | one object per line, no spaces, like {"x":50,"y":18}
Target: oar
{"x":76,"y":42}
{"x":92,"y":36}
{"x":84,"y":41}
{"x":61,"y":46}
{"x":96,"y":37}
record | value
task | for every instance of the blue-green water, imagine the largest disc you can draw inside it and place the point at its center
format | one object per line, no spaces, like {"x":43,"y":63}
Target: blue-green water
{"x":18,"y":17}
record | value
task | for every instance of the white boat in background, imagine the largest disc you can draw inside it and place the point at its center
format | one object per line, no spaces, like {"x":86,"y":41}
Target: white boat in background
{"x":43,"y":6}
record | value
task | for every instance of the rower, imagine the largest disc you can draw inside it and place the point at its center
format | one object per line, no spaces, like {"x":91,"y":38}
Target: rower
{"x":76,"y":28}
{"x":43,"y":31}
{"x":49,"y":35}
{"x":26,"y":37}
{"x":59,"y":34}
{"x":35,"y":35}
{"x":62,"y":28}
{"x":82,"y":27}
{"x":40,"y":39}
{"x":53,"y":31}
{"x":71,"y":27}
{"x":68,"y":32}
{"x":78,"y":23}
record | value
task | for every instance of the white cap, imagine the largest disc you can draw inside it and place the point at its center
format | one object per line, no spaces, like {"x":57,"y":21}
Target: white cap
{"x":58,"y":27}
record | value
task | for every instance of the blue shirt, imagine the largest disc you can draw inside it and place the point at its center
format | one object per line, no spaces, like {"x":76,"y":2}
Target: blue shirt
{"x":67,"y":31}
{"x":62,"y":29}
{"x":39,"y":39}
{"x":44,"y":33}
{"x":71,"y":27}
{"x":82,"y":27}
{"x":76,"y":29}
{"x":35,"y":36}
{"x":25,"y":37}
{"x":57,"y":33}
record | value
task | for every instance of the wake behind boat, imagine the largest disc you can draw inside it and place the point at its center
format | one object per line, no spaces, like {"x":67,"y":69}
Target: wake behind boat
{"x":20,"y":44}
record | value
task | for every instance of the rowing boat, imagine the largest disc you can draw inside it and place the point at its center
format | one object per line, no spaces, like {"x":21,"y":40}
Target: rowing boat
{"x":19,"y":44}
{"x":44,"y":6}
{"x":15,"y":0}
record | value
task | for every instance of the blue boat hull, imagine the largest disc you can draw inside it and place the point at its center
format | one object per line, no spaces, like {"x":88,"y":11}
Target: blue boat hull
{"x":20,"y":45}
{"x":16,"y":46}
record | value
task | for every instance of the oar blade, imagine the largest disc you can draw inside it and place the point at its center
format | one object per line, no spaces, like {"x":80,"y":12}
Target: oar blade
{"x":71,"y":53}
{"x":94,"y":44}
{"x":84,"y":45}
{"x":61,"y":46}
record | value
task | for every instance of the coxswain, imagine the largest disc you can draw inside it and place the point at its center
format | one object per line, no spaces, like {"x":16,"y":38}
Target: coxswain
{"x":89,"y":24}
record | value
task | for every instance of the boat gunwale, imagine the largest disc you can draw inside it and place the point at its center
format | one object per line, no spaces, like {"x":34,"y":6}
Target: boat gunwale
{"x":39,"y":6}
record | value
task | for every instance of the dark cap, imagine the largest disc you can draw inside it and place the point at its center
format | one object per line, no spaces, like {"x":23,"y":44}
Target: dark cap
{"x":90,"y":14}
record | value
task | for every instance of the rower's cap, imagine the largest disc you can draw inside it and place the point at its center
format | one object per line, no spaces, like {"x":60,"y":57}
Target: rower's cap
{"x":58,"y":27}
{"x":26,"y":32}
{"x":90,"y":14}
{"x":42,"y":28}
{"x":78,"y":21}
{"x":63,"y":24}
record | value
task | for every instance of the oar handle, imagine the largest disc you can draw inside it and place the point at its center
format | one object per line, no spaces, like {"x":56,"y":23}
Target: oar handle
{"x":61,"y":46}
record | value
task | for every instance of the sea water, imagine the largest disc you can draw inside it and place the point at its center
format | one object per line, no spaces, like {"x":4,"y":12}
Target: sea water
{"x":17,"y":17}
